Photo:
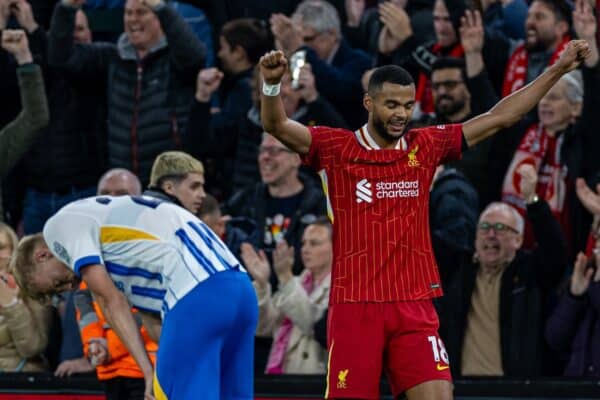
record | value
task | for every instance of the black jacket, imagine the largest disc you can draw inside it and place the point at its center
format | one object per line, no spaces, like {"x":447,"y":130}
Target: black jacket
{"x":525,"y":283}
{"x":148,"y":99}
{"x":228,"y":144}
{"x":340,"y":81}
{"x":251,"y":203}
{"x":453,"y":213}
{"x":70,"y":151}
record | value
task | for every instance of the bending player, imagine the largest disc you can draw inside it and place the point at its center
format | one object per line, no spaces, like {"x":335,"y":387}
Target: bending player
{"x":381,"y":317}
{"x":165,"y":261}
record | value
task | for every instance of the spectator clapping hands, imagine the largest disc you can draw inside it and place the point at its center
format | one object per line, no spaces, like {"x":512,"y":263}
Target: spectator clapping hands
{"x":471,"y":32}
{"x":354,"y":12}
{"x":588,"y":198}
{"x":396,"y":27}
{"x":283,"y":261}
{"x":288,"y":36}
{"x":582,"y":276}
{"x":256,"y":263}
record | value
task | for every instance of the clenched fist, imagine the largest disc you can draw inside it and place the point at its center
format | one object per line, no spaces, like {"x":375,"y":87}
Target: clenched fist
{"x":529,"y":180}
{"x":573,"y":55}
{"x":207,"y":83}
{"x":273,"y":66}
{"x":15,"y":42}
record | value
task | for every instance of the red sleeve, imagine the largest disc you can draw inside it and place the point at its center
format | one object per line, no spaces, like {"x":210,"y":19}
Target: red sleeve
{"x":314,"y":155}
{"x":447,"y":142}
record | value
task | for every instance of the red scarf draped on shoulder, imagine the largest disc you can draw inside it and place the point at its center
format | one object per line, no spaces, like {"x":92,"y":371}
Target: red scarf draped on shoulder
{"x":424,"y":95}
{"x":542,"y":151}
{"x":516,"y":68}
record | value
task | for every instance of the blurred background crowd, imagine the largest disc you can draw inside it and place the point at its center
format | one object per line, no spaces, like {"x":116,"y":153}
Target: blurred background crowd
{"x":94,"y":91}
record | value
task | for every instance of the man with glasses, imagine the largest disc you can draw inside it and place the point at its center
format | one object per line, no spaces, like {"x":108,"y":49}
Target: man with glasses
{"x":459,"y":95}
{"x":281,"y":206}
{"x":315,"y":28}
{"x":492,"y":313}
{"x":377,"y":180}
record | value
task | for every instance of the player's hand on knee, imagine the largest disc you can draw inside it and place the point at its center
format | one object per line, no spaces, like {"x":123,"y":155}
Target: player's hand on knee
{"x":272,"y":66}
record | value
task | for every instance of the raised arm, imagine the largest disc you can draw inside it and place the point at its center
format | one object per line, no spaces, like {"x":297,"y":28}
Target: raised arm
{"x":19,"y":135}
{"x":117,"y":311}
{"x":86,"y":60}
{"x":187,"y":51}
{"x":275,"y":122}
{"x":514,"y":107}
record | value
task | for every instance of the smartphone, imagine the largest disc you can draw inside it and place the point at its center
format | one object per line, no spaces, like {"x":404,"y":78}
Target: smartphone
{"x":297,"y":61}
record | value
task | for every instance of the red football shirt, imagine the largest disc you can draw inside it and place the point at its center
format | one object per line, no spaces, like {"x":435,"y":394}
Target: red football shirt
{"x":378,"y":200}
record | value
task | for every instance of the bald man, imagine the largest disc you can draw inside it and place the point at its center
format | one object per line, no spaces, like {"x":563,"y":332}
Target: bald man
{"x":119,"y":182}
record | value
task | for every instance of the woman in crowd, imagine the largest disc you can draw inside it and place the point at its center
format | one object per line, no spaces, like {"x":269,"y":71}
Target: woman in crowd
{"x":289,"y":314}
{"x":23,"y":322}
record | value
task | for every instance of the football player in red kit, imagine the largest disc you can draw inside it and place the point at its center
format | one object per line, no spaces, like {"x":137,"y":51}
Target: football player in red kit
{"x":377,"y":179}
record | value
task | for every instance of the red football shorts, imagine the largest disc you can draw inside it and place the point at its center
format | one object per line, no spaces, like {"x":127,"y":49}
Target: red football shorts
{"x":366,"y":339}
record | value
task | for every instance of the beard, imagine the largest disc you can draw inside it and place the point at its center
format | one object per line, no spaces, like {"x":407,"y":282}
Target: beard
{"x":448,"y":109}
{"x":382,"y":132}
{"x":540,"y":43}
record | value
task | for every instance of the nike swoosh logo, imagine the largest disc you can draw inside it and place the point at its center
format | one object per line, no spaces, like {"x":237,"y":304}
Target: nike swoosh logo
{"x":441,"y":367}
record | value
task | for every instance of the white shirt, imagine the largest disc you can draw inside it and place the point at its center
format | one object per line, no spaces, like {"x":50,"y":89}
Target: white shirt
{"x":155,"y":252}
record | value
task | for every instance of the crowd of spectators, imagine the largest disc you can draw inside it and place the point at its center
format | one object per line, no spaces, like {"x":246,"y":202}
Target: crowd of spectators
{"x":514,"y":223}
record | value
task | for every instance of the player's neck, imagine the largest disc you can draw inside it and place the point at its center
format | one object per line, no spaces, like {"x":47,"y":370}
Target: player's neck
{"x":382,"y":142}
{"x":287,"y":188}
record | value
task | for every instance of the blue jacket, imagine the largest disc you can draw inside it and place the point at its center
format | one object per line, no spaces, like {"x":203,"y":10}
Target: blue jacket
{"x":340,"y":81}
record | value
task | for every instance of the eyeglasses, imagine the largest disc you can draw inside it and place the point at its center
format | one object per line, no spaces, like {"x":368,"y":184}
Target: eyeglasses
{"x":448,"y":85}
{"x":272,"y":151}
{"x":498,"y":227}
{"x":308,"y":39}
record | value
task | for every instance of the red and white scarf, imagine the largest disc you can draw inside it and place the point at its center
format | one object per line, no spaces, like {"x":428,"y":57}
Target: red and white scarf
{"x":543,"y":152}
{"x":516,"y":68}
{"x":424,"y":94}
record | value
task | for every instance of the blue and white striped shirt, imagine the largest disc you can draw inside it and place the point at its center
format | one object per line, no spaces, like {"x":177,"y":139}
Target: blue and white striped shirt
{"x":155,"y":252}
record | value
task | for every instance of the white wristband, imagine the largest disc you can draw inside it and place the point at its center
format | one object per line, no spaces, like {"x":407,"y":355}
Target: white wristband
{"x":271,"y":90}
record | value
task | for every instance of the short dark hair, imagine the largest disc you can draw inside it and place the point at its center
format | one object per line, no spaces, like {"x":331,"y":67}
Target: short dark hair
{"x":450,"y":63}
{"x":209,"y":205}
{"x":250,"y":34}
{"x":391,"y":74}
{"x":562,"y":10}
